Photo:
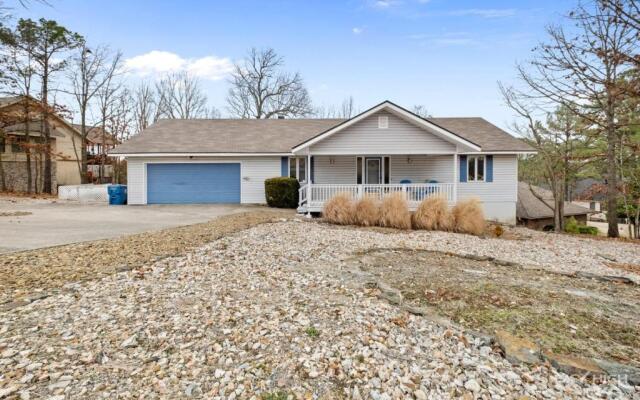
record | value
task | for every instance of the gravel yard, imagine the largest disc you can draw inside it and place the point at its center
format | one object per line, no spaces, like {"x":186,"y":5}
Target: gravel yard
{"x":273,"y":311}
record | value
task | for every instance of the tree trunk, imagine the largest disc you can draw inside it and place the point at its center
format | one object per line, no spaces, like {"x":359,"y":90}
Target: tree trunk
{"x":3,"y":182}
{"x":612,"y":183}
{"x":27,"y":150}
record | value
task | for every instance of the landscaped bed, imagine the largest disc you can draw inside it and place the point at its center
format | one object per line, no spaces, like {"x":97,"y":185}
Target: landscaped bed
{"x":568,"y":315}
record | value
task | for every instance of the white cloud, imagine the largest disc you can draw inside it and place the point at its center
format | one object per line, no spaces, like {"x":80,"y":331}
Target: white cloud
{"x":156,"y":63}
{"x":384,"y":4}
{"x":357,"y":31}
{"x":486,"y":12}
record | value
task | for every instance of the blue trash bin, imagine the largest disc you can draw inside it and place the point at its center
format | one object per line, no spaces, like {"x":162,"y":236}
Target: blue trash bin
{"x":117,"y":194}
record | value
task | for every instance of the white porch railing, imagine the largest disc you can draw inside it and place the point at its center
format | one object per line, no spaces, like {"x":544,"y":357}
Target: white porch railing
{"x":313,"y":196}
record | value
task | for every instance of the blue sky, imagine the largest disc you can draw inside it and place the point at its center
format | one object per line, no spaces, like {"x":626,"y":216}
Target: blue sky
{"x":444,"y":54}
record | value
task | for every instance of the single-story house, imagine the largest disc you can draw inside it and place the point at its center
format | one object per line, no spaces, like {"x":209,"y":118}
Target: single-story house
{"x":382,"y":150}
{"x":65,"y":142}
{"x":535,"y":208}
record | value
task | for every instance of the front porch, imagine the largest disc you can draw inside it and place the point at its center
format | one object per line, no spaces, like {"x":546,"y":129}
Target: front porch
{"x":415,"y":176}
{"x":313,"y":196}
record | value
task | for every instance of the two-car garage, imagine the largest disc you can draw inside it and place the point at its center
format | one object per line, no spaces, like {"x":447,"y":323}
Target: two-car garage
{"x":193,"y":183}
{"x":199,"y":180}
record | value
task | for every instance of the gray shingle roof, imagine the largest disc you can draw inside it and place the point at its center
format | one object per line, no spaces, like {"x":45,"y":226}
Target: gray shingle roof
{"x":281,"y":135}
{"x":224,"y":135}
{"x":483,"y":133}
{"x":530,"y":206}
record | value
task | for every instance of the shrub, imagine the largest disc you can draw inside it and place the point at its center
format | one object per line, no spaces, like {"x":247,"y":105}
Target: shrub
{"x":571,"y":225}
{"x":339,"y":209}
{"x":588,"y":230}
{"x":433,"y":214}
{"x":367,"y":211}
{"x":394,"y":212}
{"x":282,"y":192}
{"x":468,"y":217}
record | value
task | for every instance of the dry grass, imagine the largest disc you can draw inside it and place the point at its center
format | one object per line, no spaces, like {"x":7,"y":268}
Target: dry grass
{"x":367,"y":211}
{"x":433,"y":214}
{"x":340,"y":209}
{"x":394,"y":212}
{"x":468,"y":217}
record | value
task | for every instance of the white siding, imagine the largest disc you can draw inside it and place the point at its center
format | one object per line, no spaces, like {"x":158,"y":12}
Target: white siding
{"x":254,"y":171}
{"x":419,"y":169}
{"x":136,"y":187}
{"x":500,"y":196}
{"x":365,"y":137}
{"x":342,"y":171}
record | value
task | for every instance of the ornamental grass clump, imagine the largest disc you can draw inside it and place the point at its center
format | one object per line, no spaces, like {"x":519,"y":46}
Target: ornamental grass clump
{"x":367,"y":211}
{"x":433,"y":214}
{"x":468,"y":217}
{"x":394,"y":212}
{"x":339,"y":209}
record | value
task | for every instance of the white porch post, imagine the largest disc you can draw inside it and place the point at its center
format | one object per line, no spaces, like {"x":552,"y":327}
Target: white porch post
{"x":455,"y":178}
{"x":308,"y":179}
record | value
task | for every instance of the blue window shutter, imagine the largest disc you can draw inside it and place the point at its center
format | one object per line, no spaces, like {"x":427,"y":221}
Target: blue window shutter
{"x":463,"y":168}
{"x":489,"y":169}
{"x":312,"y":170}
{"x":284,"y":166}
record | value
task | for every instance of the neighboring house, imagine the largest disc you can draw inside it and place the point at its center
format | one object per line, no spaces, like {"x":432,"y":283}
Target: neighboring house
{"x":382,"y":150}
{"x":63,"y":136}
{"x":590,"y":193}
{"x":535,"y":208}
{"x":99,"y":143}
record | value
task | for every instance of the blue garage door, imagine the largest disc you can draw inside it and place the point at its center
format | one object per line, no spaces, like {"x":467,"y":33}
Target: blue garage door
{"x":193,"y":183}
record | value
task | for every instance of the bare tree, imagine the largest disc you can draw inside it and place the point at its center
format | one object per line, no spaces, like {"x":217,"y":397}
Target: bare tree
{"x":145,"y":107}
{"x":346,"y":110}
{"x":261,"y":89}
{"x":119,"y":126}
{"x":92,"y":68}
{"x":581,"y":71}
{"x":180,"y":95}
{"x":421,"y":110}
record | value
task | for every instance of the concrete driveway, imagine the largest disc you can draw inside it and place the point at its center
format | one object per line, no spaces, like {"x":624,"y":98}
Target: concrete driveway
{"x":49,"y":223}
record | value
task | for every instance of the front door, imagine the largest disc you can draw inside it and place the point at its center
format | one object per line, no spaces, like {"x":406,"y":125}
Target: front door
{"x":373,"y":171}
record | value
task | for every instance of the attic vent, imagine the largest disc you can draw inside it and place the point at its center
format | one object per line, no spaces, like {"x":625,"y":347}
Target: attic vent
{"x":383,"y":122}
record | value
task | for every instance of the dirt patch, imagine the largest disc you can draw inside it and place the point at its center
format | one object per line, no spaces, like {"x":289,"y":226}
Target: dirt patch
{"x":14,"y":213}
{"x":25,"y":274}
{"x":568,"y":315}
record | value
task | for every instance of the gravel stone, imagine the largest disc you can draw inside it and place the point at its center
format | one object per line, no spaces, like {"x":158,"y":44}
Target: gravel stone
{"x":229,"y":320}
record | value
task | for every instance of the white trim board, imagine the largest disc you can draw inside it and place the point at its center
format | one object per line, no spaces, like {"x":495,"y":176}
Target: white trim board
{"x":193,"y":155}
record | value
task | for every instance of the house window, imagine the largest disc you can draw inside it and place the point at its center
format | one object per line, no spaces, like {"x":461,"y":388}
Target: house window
{"x":298,"y":168}
{"x":383,"y":122}
{"x":475,"y":169}
{"x":17,"y":144}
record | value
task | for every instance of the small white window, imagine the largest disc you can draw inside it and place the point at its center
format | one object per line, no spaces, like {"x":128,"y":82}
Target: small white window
{"x":475,"y":169}
{"x":383,"y":122}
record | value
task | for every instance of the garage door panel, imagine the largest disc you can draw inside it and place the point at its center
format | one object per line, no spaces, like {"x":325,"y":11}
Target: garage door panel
{"x":192,"y":183}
